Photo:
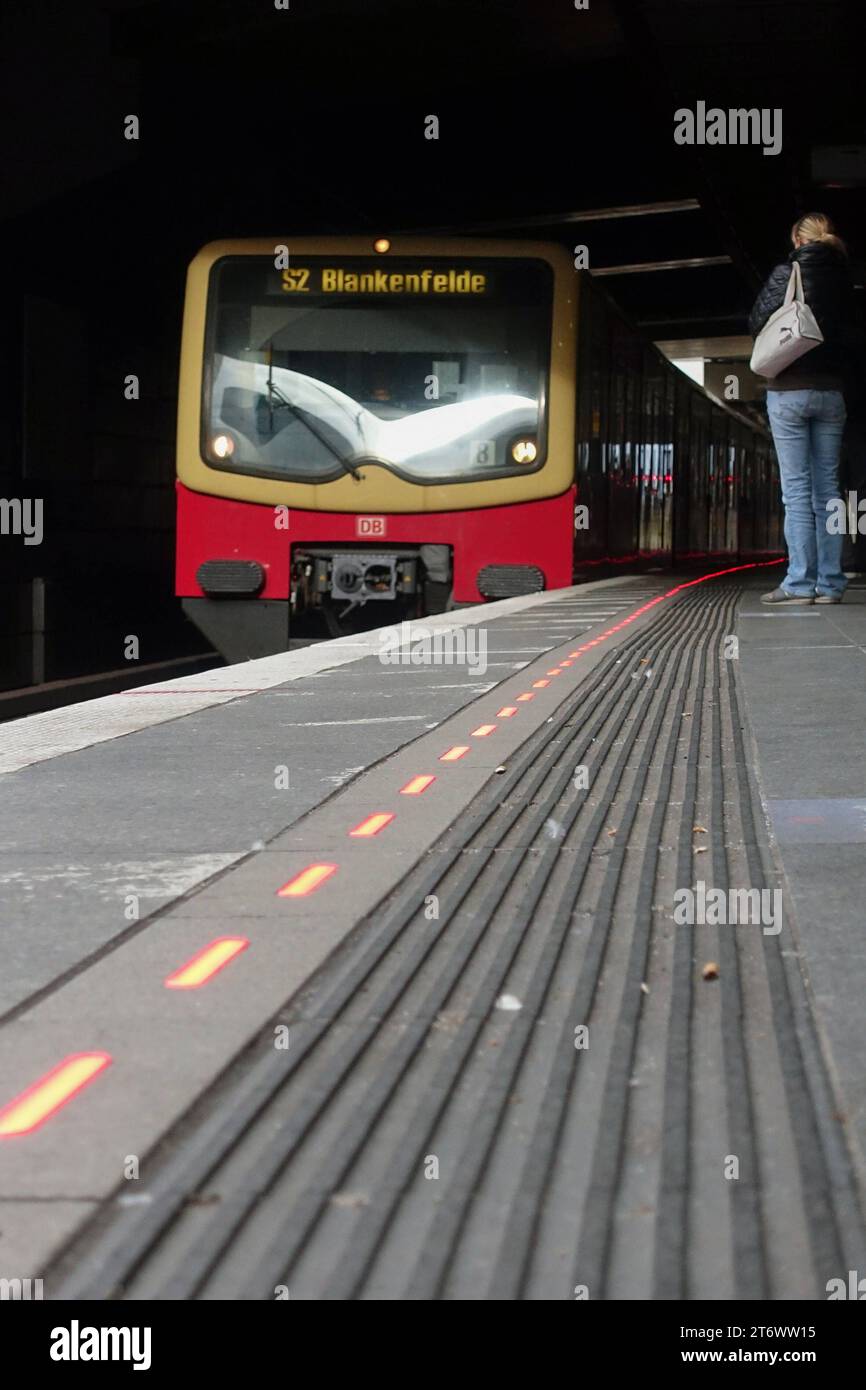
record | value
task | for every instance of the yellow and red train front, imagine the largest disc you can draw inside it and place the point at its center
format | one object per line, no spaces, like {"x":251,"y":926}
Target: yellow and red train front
{"x":359,"y":424}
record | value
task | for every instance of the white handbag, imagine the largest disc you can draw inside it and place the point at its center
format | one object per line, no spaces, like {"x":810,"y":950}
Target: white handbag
{"x":788,"y":333}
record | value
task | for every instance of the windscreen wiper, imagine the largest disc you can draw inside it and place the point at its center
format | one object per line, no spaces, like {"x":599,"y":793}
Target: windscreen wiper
{"x":278,"y":400}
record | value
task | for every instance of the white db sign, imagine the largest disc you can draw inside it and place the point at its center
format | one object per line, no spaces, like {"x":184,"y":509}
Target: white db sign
{"x":370,"y":526}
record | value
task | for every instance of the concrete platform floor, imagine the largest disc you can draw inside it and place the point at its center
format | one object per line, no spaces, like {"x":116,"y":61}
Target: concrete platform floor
{"x":137,"y":830}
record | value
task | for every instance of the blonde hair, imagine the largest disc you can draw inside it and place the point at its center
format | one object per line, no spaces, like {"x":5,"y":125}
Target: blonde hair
{"x":814,"y":226}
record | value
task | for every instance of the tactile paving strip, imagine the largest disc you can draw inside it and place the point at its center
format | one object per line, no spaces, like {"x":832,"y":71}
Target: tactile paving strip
{"x":434,"y":1131}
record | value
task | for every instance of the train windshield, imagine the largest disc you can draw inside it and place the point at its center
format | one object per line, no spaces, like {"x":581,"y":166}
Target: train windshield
{"x":434,"y":368}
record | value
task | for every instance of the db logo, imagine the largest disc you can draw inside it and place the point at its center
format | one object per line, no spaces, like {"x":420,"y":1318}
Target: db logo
{"x":370,"y":526}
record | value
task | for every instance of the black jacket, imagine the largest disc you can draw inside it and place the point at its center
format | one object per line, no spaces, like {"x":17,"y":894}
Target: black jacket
{"x":829,"y":291}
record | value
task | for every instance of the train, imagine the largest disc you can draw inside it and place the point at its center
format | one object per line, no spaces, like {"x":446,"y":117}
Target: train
{"x":373,"y":429}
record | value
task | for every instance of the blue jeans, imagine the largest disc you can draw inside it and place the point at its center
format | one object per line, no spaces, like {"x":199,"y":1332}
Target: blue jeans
{"x":807,"y":432}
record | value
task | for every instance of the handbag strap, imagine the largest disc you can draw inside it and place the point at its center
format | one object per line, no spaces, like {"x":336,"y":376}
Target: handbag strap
{"x":795,"y":285}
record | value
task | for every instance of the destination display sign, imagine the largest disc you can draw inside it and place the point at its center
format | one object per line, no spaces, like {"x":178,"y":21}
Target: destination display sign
{"x":432,"y":281}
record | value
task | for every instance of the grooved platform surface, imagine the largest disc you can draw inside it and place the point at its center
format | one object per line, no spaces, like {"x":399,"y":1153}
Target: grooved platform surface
{"x":514,"y":1073}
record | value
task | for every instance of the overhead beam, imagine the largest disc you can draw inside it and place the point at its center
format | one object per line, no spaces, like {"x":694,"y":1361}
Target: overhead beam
{"x":671,"y":91}
{"x":629,"y":210}
{"x":708,"y":326}
{"x":708,"y":317}
{"x":720,"y":348}
{"x":567,"y":219}
{"x":691,"y":263}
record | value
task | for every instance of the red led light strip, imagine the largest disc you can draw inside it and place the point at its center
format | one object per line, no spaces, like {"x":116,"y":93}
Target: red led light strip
{"x":311,"y":878}
{"x":660,"y":598}
{"x":416,"y":785}
{"x":307,"y":881}
{"x":372,"y":825}
{"x":50,"y":1093}
{"x":28,"y":1111}
{"x":207,"y":963}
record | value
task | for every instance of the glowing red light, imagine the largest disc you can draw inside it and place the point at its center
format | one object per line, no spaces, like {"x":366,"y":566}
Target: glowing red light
{"x":307,"y":881}
{"x":207,"y":963}
{"x":40,"y":1101}
{"x":416,"y":785}
{"x":373,"y":824}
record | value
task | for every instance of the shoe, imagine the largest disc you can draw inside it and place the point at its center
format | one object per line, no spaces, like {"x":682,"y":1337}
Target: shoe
{"x":828,"y":598}
{"x":781,"y":595}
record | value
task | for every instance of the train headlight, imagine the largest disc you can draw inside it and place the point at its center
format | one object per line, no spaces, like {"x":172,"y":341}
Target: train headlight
{"x":223,"y":446}
{"x":524,"y":451}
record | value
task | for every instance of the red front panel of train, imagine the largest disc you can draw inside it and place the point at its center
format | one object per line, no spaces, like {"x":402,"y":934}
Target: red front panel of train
{"x":527,"y":533}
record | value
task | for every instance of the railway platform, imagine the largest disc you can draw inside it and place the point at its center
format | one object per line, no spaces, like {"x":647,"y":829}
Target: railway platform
{"x":519,"y":955}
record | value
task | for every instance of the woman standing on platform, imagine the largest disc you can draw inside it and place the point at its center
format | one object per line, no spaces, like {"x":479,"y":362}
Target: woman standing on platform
{"x":806,"y":406}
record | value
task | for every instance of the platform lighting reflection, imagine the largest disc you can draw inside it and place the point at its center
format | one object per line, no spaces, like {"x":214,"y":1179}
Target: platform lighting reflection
{"x":407,"y":440}
{"x":40,"y":1101}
